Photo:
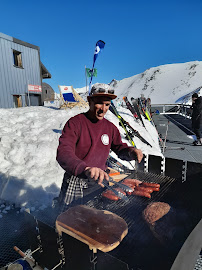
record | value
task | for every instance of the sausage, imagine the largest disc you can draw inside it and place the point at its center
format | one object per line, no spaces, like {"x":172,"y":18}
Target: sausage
{"x":155,"y":188}
{"x":141,"y":193}
{"x":126,"y":182}
{"x":146,"y":184}
{"x":134,"y":182}
{"x":146,"y":189}
{"x":110,"y":195}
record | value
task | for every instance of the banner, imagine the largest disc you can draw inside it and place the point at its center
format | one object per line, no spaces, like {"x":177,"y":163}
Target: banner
{"x":98,"y":48}
{"x":90,"y":72}
{"x":34,"y":88}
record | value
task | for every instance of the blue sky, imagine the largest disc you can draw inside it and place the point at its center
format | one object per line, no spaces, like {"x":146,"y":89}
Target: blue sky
{"x":139,"y":34}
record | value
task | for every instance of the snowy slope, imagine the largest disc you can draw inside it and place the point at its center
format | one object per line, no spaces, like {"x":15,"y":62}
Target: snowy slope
{"x":163,"y":84}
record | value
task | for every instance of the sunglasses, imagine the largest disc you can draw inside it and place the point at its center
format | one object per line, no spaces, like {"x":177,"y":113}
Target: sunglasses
{"x":101,"y":90}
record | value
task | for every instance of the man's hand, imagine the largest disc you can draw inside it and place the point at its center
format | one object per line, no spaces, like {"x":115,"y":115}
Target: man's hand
{"x":136,"y":154}
{"x":96,"y":174}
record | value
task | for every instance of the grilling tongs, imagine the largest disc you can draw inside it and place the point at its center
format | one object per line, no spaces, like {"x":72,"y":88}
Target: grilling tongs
{"x":116,"y":192}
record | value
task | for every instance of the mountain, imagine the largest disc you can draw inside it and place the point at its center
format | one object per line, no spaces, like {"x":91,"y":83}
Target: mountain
{"x":163,"y":84}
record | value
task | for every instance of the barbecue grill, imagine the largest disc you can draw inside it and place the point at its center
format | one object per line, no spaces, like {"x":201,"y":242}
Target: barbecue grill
{"x":140,"y":249}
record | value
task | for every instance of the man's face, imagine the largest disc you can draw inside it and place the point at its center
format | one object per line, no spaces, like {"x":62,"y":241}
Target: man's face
{"x":98,"y":107}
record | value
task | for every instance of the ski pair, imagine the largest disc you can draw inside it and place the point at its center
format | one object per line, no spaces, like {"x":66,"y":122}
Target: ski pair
{"x":144,"y":109}
{"x":129,"y":130}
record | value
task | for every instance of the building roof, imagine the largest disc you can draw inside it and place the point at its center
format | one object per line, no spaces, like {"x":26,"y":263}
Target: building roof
{"x":45,"y":73}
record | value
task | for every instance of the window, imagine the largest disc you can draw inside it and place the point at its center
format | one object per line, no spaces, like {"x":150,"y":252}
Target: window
{"x":17,"y":57}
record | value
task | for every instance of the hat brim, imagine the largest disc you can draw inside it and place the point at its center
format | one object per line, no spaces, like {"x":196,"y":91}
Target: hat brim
{"x":111,"y":96}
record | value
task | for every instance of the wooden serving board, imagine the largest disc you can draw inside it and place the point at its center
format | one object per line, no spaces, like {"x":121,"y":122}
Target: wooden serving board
{"x":99,"y":229}
{"x":116,"y":176}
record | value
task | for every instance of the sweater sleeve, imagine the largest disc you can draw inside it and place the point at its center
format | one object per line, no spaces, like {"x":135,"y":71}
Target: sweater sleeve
{"x":66,"y":150}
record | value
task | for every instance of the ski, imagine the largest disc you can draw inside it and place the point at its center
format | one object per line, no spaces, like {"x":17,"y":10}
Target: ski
{"x":130,"y":131}
{"x":144,"y":110}
{"x":115,"y":112}
{"x":148,"y":117}
{"x":135,"y":105}
{"x":134,"y":108}
{"x":129,"y":106}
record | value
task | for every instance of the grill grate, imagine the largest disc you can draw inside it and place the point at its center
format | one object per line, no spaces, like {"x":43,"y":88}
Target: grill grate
{"x":140,"y":249}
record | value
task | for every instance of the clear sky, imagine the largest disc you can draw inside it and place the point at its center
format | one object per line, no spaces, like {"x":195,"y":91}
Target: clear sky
{"x":139,"y":34}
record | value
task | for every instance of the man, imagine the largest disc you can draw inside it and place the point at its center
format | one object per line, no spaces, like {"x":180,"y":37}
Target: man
{"x":85,"y":144}
{"x":197,"y":118}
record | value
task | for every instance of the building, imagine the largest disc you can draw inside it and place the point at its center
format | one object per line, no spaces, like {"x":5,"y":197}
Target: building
{"x":48,"y":93}
{"x":20,"y":69}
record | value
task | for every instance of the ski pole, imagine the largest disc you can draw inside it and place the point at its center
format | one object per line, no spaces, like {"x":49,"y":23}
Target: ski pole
{"x":164,"y":144}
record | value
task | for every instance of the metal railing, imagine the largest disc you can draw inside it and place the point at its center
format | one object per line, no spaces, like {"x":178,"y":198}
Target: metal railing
{"x":182,"y":109}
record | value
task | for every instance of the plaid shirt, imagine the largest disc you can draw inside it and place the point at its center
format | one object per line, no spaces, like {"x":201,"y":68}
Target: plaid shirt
{"x":72,"y":189}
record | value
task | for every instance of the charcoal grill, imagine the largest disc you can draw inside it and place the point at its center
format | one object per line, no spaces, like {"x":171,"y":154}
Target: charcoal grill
{"x":140,"y":249}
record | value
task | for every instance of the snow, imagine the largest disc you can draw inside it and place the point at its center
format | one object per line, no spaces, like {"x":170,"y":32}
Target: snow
{"x":29,"y":174}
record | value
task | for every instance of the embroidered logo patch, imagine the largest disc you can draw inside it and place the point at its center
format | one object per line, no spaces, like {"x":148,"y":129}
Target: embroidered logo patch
{"x":105,"y":139}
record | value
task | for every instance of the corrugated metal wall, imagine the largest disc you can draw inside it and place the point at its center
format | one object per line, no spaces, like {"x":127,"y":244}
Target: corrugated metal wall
{"x":15,"y":80}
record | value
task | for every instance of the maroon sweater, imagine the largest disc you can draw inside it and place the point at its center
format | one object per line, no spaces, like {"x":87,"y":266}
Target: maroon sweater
{"x":86,"y":144}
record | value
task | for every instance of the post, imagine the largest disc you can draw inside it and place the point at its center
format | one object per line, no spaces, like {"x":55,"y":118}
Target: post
{"x":164,"y":144}
{"x":28,"y":93}
{"x":86,"y":79}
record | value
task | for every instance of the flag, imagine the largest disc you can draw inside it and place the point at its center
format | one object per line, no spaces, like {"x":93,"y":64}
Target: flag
{"x":98,"y":48}
{"x":90,"y":72}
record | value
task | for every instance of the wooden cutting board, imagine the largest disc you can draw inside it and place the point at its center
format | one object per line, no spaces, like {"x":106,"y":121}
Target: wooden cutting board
{"x":99,"y":229}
